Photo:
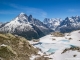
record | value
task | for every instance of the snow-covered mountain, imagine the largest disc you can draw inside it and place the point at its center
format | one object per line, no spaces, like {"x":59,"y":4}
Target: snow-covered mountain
{"x":70,"y":24}
{"x":52,"y":23}
{"x":26,"y":26}
{"x":67,"y":25}
{"x":1,"y":23}
{"x":30,"y":27}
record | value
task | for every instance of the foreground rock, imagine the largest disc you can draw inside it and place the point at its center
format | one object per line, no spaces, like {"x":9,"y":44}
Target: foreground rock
{"x":73,"y":48}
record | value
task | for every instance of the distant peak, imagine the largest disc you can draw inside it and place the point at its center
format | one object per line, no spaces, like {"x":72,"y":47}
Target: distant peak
{"x":77,"y":16}
{"x":22,"y":13}
{"x":67,"y":18}
{"x":30,"y":16}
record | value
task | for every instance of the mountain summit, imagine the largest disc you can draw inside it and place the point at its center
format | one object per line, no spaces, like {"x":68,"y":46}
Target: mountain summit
{"x":69,"y":24}
{"x":52,"y":23}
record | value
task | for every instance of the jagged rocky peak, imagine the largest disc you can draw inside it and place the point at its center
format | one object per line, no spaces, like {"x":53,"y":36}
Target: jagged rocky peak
{"x":22,"y":14}
{"x":21,"y":18}
{"x":1,"y":23}
{"x":30,"y":16}
{"x":52,"y":23}
{"x":76,"y":16}
{"x":48,"y":20}
{"x":70,"y":24}
{"x":67,"y":18}
{"x":72,"y":19}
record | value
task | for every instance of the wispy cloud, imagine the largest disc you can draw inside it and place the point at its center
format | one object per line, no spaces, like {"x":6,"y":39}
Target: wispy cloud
{"x":8,"y":12}
{"x":36,"y":11}
{"x":26,"y":9}
{"x":14,"y":6}
{"x":44,"y":14}
{"x":73,"y":10}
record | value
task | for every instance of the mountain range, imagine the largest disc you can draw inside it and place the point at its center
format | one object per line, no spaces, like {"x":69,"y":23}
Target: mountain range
{"x":70,"y":24}
{"x":67,"y":25}
{"x":32,"y":28}
{"x":26,"y":26}
{"x":1,"y":23}
{"x":52,"y":23}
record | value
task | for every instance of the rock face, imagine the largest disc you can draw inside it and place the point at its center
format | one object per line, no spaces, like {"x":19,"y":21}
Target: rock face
{"x":52,"y":23}
{"x":70,"y":24}
{"x":0,"y":24}
{"x":26,"y":26}
{"x":15,"y":48}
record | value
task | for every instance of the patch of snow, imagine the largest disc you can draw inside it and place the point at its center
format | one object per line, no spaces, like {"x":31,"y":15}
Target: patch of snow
{"x":33,"y":57}
{"x":3,"y":45}
{"x":54,"y":48}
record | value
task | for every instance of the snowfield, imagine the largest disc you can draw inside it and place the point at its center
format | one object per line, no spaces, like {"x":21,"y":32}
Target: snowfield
{"x":54,"y":46}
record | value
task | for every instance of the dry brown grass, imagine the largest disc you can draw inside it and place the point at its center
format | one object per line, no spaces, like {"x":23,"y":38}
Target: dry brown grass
{"x":57,"y":34}
{"x":72,"y":48}
{"x":19,"y":45}
{"x":41,"y":58}
{"x":35,"y":40}
{"x":69,"y":34}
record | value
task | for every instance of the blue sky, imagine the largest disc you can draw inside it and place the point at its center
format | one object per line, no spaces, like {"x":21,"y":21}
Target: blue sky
{"x":40,"y":9}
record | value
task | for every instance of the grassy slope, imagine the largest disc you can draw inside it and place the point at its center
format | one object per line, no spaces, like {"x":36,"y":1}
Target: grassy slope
{"x":17,"y":48}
